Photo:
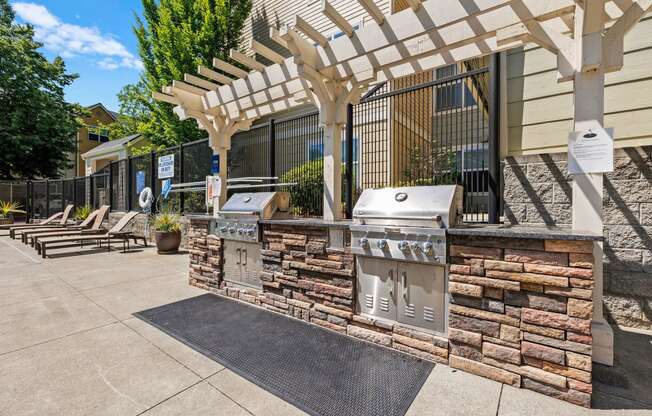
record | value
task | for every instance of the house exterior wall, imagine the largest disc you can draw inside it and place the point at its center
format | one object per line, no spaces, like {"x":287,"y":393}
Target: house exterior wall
{"x":97,"y":116}
{"x":540,"y":110}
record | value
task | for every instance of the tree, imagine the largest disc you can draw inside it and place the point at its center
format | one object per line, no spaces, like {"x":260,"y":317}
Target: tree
{"x":37,"y":127}
{"x":173,"y":39}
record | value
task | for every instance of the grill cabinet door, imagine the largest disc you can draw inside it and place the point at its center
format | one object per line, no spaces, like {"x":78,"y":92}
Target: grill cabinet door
{"x":232,"y":255}
{"x":376,"y":287}
{"x":421,"y":296}
{"x":251,"y":264}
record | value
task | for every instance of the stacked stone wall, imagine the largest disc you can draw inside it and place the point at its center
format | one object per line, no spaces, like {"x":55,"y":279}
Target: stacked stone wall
{"x":538,"y":191}
{"x":520,"y":313}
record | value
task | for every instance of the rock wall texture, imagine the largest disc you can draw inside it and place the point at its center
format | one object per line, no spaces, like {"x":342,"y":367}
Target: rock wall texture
{"x":138,"y":226}
{"x":520,"y":313}
{"x":538,"y":192}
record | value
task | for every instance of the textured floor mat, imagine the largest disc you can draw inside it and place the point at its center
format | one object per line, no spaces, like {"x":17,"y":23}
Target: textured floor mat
{"x":319,"y":371}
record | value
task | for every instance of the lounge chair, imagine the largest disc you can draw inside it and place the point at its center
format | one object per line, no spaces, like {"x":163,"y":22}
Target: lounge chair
{"x":48,"y":221}
{"x":115,"y":233}
{"x":91,"y":225}
{"x":62,"y":222}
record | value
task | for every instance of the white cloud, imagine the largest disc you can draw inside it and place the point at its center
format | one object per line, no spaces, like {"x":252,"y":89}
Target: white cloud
{"x":70,"y":40}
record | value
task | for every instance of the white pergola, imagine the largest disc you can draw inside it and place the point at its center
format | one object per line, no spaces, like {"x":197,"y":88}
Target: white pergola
{"x":586,"y":36}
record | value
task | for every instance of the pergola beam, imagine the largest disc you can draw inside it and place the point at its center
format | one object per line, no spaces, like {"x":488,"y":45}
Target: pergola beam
{"x":199,"y":82}
{"x":215,"y":76}
{"x":228,"y":68}
{"x":312,"y":33}
{"x":337,"y":19}
{"x":246,"y":60}
{"x":266,"y":52}
{"x":373,"y":10}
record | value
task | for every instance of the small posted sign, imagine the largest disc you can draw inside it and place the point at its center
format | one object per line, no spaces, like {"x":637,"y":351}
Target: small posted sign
{"x":213,"y":189}
{"x":591,"y":151}
{"x":166,"y":166}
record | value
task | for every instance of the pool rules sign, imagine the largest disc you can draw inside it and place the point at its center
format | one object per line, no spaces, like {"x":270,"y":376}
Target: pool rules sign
{"x":591,"y":151}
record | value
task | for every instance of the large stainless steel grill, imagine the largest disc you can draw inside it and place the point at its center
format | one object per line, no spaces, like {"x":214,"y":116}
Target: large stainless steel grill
{"x":399,"y":236}
{"x":238,"y":225}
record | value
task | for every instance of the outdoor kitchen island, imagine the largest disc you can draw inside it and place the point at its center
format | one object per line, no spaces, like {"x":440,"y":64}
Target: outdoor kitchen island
{"x":519,"y":299}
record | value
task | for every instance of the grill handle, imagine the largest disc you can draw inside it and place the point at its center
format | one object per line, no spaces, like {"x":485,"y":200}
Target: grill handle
{"x":237,"y":212}
{"x":391,"y":279}
{"x":401,"y":217}
{"x":404,"y":284}
{"x":239,"y":253}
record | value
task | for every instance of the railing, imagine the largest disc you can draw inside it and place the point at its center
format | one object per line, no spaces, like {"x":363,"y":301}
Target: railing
{"x":435,"y":128}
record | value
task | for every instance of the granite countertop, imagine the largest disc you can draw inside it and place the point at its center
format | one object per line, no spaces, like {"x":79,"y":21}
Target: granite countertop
{"x":310,"y":222}
{"x":518,"y":231}
{"x":200,"y":217}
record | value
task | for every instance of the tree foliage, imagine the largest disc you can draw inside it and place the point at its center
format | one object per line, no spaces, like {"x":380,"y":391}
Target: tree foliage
{"x":37,"y":127}
{"x":174,"y":38}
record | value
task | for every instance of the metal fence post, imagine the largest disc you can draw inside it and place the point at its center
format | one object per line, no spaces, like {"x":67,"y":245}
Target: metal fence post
{"x":182,"y":174}
{"x":29,"y":201}
{"x":110,"y":186}
{"x":152,"y":177}
{"x":348,"y":190}
{"x":47,"y":198}
{"x":272,"y":148}
{"x":129,"y":190}
{"x":74,"y":192}
{"x":494,"y":139}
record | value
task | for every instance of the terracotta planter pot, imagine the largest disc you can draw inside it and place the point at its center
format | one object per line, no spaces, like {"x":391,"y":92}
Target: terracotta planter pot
{"x":167,"y":242}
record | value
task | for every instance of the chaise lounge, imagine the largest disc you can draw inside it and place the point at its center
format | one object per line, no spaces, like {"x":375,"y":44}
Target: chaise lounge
{"x":65,"y":214}
{"x":91,"y":225}
{"x":117,"y":232}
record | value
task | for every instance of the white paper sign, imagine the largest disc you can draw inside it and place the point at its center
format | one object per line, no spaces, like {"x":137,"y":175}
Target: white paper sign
{"x":166,"y":166}
{"x":213,"y":189}
{"x":591,"y":151}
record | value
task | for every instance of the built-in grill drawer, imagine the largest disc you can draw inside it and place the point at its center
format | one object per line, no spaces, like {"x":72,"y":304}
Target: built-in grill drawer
{"x":242,"y":261}
{"x":408,"y":293}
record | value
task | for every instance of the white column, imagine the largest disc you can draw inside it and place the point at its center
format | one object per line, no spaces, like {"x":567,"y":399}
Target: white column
{"x":587,"y":202}
{"x":332,"y":171}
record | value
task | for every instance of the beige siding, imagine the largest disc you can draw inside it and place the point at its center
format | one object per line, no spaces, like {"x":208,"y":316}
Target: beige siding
{"x":540,"y":110}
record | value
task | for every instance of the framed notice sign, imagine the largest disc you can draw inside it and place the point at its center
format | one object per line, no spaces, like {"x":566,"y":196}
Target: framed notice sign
{"x":591,"y":151}
{"x":166,"y":166}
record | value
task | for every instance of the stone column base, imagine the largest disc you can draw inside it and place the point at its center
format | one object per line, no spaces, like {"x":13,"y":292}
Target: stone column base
{"x":603,"y":342}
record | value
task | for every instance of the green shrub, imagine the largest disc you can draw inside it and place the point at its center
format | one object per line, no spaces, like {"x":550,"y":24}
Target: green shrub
{"x":82,"y":212}
{"x":7,"y":207}
{"x":167,"y":222}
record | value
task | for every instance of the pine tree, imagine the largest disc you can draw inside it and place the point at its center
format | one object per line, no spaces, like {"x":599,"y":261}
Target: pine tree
{"x":175,"y":37}
{"x":37,"y":127}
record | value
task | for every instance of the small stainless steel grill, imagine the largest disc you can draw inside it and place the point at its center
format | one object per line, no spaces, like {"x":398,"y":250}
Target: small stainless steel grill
{"x":238,"y":225}
{"x":399,"y":236}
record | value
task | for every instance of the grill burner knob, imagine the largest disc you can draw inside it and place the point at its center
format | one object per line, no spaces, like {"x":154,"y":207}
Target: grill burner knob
{"x":381,"y":244}
{"x":363,"y":242}
{"x":241,"y":231}
{"x":403,"y":245}
{"x":231,"y":229}
{"x":250,"y":231}
{"x":427,"y":248}
{"x":415,"y":247}
{"x":223,"y":229}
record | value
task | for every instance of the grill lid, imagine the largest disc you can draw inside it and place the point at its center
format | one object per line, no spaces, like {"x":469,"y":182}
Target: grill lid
{"x":260,"y":204}
{"x":430,"y":206}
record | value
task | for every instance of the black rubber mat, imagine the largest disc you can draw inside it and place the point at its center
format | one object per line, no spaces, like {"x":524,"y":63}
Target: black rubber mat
{"x":319,"y":371}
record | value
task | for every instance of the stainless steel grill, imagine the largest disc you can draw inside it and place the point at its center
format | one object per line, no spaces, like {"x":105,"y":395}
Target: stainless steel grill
{"x":399,"y":236}
{"x":238,"y":225}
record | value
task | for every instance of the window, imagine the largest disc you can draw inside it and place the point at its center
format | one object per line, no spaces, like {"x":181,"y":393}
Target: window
{"x":98,"y":134}
{"x":453,"y":94}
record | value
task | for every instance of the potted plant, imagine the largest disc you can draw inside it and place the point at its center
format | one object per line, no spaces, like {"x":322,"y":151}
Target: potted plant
{"x":7,"y":211}
{"x":82,"y":212}
{"x":167,"y":232}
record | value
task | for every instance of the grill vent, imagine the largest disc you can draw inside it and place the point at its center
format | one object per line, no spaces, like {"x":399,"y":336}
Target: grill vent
{"x":409,"y":310}
{"x":428,"y":314}
{"x":368,"y":301}
{"x":384,"y":304}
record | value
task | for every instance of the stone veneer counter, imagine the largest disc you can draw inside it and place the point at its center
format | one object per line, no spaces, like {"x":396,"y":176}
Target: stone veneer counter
{"x":520,"y":298}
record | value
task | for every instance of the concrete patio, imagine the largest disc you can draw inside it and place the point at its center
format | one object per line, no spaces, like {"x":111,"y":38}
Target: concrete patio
{"x":69,"y":345}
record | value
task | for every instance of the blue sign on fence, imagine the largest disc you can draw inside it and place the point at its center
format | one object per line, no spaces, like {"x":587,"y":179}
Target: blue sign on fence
{"x":140,"y":181}
{"x":166,"y":187}
{"x":215,"y":164}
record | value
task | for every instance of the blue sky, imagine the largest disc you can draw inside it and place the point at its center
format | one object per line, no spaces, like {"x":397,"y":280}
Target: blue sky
{"x":94,"y":38}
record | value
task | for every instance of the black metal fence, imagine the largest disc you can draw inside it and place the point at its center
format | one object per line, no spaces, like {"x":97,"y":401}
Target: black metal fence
{"x":435,"y":128}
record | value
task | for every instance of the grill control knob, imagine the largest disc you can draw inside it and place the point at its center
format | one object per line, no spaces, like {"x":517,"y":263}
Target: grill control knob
{"x":403,"y":245}
{"x":364,"y":243}
{"x":415,"y":247}
{"x":250,"y":231}
{"x":223,"y":229}
{"x":427,"y":248}
{"x":381,"y":244}
{"x":231,"y":229}
{"x":241,"y":230}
